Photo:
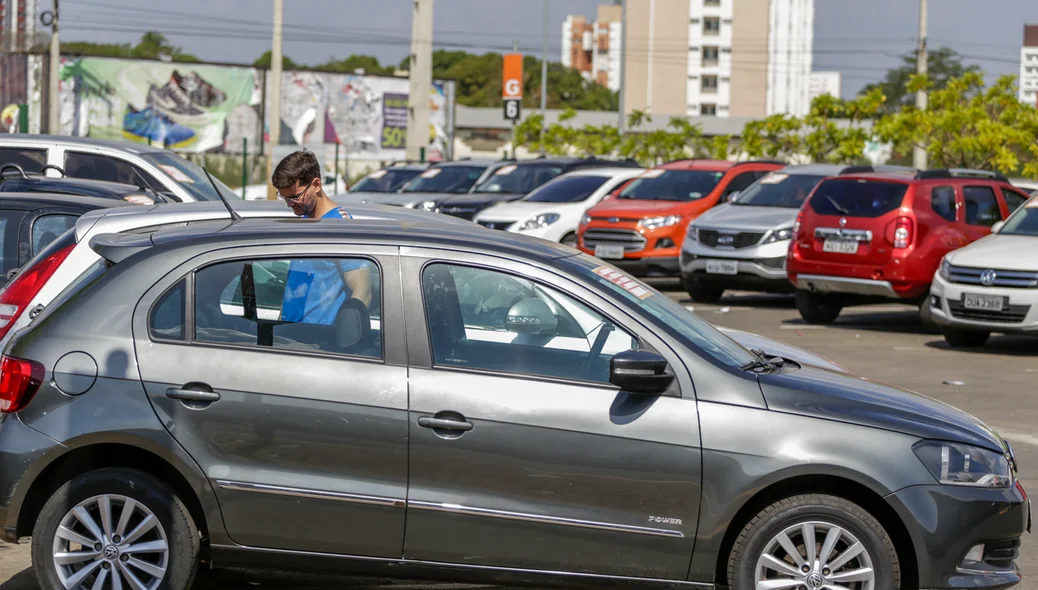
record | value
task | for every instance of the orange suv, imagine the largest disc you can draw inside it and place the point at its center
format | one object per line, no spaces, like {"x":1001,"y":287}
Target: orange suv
{"x":641,"y":228}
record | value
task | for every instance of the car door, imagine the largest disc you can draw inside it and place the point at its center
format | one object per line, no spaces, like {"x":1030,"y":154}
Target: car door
{"x":982,"y":210}
{"x":522,"y":455}
{"x":300,"y":427}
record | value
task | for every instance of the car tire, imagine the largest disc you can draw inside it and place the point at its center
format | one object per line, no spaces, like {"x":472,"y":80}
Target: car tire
{"x":569,"y":239}
{"x":759,"y":552}
{"x":816,"y":309}
{"x":926,"y":322}
{"x":701,"y":293}
{"x":87,"y":496}
{"x":965,"y":338}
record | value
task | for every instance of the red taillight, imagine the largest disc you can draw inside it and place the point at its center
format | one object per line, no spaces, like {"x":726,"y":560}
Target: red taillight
{"x":1020,"y":487}
{"x":796,"y":227}
{"x":19,"y":380}
{"x":904,"y":230}
{"x":17,"y":295}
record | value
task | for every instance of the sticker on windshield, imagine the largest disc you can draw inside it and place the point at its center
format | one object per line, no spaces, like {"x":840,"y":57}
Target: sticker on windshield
{"x":431,"y":173}
{"x":377,"y":174}
{"x":774,"y":178}
{"x":505,"y":170}
{"x":621,"y":279}
{"x":652,"y":173}
{"x":176,"y":173}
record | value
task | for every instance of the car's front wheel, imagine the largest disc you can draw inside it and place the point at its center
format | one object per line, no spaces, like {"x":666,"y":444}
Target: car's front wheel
{"x":965,"y":338}
{"x":814,"y":541}
{"x":702,"y":293}
{"x":115,"y":528}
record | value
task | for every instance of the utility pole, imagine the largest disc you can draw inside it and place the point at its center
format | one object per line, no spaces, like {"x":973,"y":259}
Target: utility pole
{"x":420,"y":74}
{"x":544,"y":76}
{"x":274,"y":115}
{"x":53,"y":100}
{"x":623,"y":62}
{"x":921,"y":58}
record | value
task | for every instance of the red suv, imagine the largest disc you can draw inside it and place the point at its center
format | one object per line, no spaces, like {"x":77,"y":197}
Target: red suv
{"x":641,"y":228}
{"x":866,"y":238}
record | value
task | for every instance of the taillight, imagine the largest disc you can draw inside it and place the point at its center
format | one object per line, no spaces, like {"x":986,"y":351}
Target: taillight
{"x":19,"y":292}
{"x":903,"y":230}
{"x":19,"y":380}
{"x":796,"y":227}
{"x":1020,"y":488}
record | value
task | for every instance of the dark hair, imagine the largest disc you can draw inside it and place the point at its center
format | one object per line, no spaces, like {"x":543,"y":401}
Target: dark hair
{"x":297,"y":167}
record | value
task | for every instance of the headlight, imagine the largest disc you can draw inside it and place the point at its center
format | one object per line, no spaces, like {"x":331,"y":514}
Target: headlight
{"x":693,"y":232}
{"x":411,"y":205}
{"x":431,"y":206}
{"x":586,"y":220}
{"x":945,"y":270}
{"x":964,"y":465}
{"x":779,"y":235}
{"x":661,"y":221}
{"x":539,"y":222}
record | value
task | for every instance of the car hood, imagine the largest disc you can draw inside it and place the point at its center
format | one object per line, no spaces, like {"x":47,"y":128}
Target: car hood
{"x":481,"y":199}
{"x":631,"y":208}
{"x":820,"y":393}
{"x":999,"y":252}
{"x":744,"y":217}
{"x":525,"y":209}
{"x":775,"y":348}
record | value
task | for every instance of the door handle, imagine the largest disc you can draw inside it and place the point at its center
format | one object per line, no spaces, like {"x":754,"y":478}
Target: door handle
{"x":191,"y":395}
{"x":444,"y":424}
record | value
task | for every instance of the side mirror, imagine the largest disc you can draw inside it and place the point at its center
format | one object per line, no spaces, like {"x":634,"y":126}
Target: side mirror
{"x":732,"y":196}
{"x":997,"y":227}
{"x":640,"y":371}
{"x":531,"y":316}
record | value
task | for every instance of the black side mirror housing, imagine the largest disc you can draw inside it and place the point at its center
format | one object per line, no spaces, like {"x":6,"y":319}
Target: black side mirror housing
{"x":640,"y":371}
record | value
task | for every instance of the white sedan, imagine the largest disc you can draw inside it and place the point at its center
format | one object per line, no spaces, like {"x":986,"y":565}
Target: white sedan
{"x":553,"y":211}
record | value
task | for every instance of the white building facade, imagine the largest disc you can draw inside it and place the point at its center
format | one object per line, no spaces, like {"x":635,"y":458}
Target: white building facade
{"x":790,"y":56}
{"x":822,"y":83}
{"x":709,"y":91}
{"x":1028,"y":82}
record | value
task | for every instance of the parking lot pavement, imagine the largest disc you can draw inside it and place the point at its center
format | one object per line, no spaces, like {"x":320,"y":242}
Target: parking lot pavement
{"x":883,"y":343}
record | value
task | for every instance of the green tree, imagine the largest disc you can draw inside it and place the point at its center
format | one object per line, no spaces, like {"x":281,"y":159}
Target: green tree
{"x":943,"y":64}
{"x":968,"y":125}
{"x":152,"y":45}
{"x":368,"y":63}
{"x":265,"y":61}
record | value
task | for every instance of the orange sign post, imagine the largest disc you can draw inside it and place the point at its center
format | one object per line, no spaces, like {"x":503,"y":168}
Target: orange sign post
{"x":512,"y":85}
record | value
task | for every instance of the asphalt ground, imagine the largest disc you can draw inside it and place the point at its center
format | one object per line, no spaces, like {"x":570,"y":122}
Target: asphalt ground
{"x":883,"y":342}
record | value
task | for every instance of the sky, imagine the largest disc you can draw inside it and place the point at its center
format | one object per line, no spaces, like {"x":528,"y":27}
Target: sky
{"x":859,"y":38}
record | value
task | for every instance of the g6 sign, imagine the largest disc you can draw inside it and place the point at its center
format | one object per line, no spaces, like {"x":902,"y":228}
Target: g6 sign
{"x":513,"y":88}
{"x":513,"y":109}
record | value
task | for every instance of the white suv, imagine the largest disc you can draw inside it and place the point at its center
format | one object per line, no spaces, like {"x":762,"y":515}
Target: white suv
{"x":990,"y":285}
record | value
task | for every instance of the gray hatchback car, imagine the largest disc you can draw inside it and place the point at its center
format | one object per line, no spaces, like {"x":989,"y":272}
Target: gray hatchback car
{"x":502,"y":409}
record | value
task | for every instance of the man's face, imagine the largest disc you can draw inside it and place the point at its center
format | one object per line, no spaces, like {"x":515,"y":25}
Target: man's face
{"x":301,"y":198}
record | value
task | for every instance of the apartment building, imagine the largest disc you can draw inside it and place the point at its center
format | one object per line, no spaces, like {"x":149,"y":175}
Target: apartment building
{"x":822,"y":83}
{"x":593,"y":47}
{"x":17,"y":25}
{"x":1029,"y":66}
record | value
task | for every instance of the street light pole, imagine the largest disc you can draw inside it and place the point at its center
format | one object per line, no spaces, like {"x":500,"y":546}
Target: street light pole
{"x":623,"y":62}
{"x":275,"y":94}
{"x":919,"y":153}
{"x":54,"y":102}
{"x":420,"y":73}
{"x":544,"y":76}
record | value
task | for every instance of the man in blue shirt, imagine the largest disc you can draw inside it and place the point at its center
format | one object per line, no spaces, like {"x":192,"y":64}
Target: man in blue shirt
{"x":316,"y":288}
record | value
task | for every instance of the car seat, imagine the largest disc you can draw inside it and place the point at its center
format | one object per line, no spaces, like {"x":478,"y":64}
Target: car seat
{"x":446,"y":324}
{"x":353,"y":334}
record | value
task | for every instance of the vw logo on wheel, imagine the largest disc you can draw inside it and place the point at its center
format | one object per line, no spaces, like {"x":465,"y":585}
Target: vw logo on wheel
{"x":726,"y":240}
{"x":111,"y":553}
{"x":815,"y":581}
{"x":987,"y":278}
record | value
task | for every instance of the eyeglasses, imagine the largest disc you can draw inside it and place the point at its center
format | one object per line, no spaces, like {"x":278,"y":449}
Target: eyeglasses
{"x":296,"y":196}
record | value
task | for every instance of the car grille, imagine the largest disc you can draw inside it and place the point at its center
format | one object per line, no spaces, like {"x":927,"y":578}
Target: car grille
{"x":1010,"y":314}
{"x":467,"y":212}
{"x":495,"y":224}
{"x":631,"y":240}
{"x":1013,"y":279}
{"x":712,"y":237}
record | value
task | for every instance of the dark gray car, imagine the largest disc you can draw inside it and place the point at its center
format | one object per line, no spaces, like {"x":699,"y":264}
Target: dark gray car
{"x":503,"y":409}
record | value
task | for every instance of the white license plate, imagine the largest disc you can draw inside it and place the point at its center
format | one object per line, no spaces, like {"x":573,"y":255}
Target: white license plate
{"x":722,"y":267}
{"x":840,"y":246}
{"x":984,"y":302}
{"x":609,"y":251}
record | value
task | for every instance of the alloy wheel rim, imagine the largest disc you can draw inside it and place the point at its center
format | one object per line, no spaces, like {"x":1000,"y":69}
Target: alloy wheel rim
{"x":815,"y":556}
{"x":110,"y":542}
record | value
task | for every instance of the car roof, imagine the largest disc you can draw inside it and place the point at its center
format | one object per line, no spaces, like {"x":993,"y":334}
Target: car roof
{"x":604,"y":171}
{"x":47,"y":140}
{"x":843,"y":169}
{"x":32,"y":201}
{"x":486,"y":162}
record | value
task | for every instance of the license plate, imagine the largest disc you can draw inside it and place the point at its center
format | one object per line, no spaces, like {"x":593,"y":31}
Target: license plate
{"x":983,"y":302}
{"x":722,"y":267}
{"x":840,"y":246}
{"x":609,"y":251}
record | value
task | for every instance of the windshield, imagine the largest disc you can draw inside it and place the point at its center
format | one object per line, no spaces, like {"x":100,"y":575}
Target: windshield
{"x":449,"y":179}
{"x":672,"y":185}
{"x":384,"y":181}
{"x":189,"y":176}
{"x":857,"y":198}
{"x":518,"y":179}
{"x":1024,"y":222}
{"x":779,"y":190}
{"x":664,"y":312}
{"x":572,"y":189}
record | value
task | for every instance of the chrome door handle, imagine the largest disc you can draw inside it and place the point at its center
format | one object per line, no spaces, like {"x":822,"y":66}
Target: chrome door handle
{"x":191,"y":395}
{"x":442,"y":424}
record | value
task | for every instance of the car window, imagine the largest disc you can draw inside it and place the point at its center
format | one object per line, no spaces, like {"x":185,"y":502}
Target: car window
{"x":672,"y":185}
{"x":518,"y":179}
{"x":567,"y":189}
{"x":779,"y":190}
{"x":852,"y":197}
{"x":98,"y":167}
{"x":28,"y":159}
{"x":981,"y":206}
{"x":494,"y":321}
{"x":385,"y":181}
{"x":741,"y":182}
{"x":1013,"y":199}
{"x":942,"y":201}
{"x":448,"y":179}
{"x":297,"y":304}
{"x":1024,"y":222}
{"x":46,"y":229}
{"x":10,"y":220}
{"x":189,"y":176}
{"x":168,"y":320}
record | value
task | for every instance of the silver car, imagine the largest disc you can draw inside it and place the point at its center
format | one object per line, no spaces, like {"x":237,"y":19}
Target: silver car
{"x":437,"y":182}
{"x":742,"y":244}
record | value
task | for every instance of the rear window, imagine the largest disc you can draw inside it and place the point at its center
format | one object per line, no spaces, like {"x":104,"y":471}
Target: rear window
{"x":572,"y":189}
{"x":29,"y":160}
{"x":518,"y":179}
{"x":10,"y":222}
{"x":385,"y":181}
{"x":857,"y":198}
{"x":448,"y":179}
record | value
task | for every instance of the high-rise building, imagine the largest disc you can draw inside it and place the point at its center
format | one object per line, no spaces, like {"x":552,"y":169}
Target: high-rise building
{"x":822,"y":83}
{"x":1029,"y":66}
{"x":593,"y":48}
{"x":739,"y":58}
{"x":17,"y":25}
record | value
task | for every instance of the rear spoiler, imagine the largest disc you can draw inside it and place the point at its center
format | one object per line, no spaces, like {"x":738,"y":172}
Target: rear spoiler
{"x":115,"y":248}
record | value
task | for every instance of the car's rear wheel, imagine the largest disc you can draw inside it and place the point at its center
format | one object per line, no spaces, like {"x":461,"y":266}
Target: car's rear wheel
{"x":115,"y":528}
{"x":570,"y":240}
{"x":815,"y":308}
{"x":965,"y":338}
{"x":814,"y":541}
{"x":701,"y":293}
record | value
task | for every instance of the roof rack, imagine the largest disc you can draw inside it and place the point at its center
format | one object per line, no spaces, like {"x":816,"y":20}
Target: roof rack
{"x":396,"y":163}
{"x":777,"y":162}
{"x":960,"y":173}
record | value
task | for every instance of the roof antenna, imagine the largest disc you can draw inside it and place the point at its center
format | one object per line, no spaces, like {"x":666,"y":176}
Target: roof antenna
{"x":234,"y":216}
